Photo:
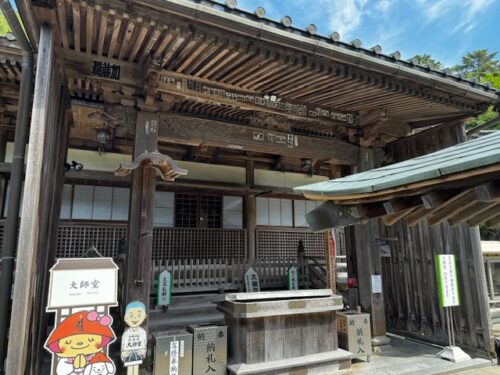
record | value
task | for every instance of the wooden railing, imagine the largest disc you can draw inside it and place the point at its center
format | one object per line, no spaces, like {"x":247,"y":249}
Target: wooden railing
{"x":202,"y":275}
{"x":200,"y":259}
{"x":315,"y":268}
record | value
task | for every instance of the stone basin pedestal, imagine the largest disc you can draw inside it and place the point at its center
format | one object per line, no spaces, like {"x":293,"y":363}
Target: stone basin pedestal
{"x":284,"y":332}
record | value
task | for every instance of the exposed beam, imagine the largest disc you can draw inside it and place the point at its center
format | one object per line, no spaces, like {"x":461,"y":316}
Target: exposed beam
{"x":494,"y":222}
{"x":434,"y":199}
{"x":485,"y":215}
{"x":395,"y":206}
{"x":487,"y":192}
{"x":417,"y":215}
{"x":197,"y":131}
{"x":329,"y":215}
{"x":470,"y":212}
{"x":394,"y":218}
{"x":453,"y":206}
{"x":486,"y":125}
{"x":207,"y":91}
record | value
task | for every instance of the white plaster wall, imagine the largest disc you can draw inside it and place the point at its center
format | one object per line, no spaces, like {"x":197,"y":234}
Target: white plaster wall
{"x":284,"y":180}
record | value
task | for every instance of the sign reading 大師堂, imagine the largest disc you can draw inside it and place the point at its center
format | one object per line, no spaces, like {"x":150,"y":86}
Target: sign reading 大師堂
{"x":447,"y":280}
{"x":89,"y":288}
{"x":81,"y":293}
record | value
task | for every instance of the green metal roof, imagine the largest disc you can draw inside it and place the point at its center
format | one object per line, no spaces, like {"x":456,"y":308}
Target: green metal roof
{"x":477,"y":153}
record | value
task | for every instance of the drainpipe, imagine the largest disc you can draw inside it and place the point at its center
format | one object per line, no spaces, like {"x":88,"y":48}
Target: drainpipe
{"x":16,"y":177}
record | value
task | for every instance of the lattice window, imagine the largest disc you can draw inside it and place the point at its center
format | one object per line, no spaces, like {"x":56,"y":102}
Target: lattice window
{"x":282,"y":243}
{"x":73,"y":240}
{"x":211,"y":211}
{"x":186,"y":210}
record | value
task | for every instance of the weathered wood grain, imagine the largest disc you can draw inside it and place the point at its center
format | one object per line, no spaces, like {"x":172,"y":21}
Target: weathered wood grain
{"x":38,"y":225}
{"x":410,"y":289}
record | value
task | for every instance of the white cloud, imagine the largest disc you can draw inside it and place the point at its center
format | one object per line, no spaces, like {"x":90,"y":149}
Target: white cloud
{"x":472,"y":9}
{"x":344,"y":15}
{"x":383,"y":6}
{"x":462,"y":13}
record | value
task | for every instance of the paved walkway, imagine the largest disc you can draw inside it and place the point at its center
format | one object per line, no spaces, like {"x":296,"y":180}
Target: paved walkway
{"x":411,"y":358}
{"x":484,"y":371}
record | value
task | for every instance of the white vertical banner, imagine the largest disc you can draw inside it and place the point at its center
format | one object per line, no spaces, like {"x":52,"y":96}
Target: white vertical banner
{"x":447,"y":280}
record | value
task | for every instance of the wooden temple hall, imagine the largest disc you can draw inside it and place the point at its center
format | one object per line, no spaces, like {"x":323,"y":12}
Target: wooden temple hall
{"x":170,"y":135}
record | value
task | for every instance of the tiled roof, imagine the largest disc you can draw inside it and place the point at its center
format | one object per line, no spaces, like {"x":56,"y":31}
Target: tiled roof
{"x":334,"y":39}
{"x":480,"y":152}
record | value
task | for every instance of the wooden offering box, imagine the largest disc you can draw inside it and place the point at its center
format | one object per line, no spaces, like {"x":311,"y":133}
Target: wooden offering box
{"x":284,"y":332}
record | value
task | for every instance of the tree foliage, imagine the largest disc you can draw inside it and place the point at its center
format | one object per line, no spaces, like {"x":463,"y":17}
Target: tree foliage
{"x":478,"y":64}
{"x":4,"y":26}
{"x":427,"y":59}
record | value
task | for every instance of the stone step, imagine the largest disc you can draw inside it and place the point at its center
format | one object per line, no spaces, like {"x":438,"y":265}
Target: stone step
{"x":185,"y":310}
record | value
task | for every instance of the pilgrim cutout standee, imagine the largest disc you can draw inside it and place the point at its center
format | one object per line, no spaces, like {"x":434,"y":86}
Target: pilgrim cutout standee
{"x":135,"y":337}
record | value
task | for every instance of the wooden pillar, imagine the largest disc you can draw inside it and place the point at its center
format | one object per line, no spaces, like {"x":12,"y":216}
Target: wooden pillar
{"x":369,"y":263}
{"x":137,"y":273}
{"x":59,"y":149}
{"x":43,"y":184}
{"x":250,"y":214}
{"x":3,"y":179}
{"x":331,"y":250}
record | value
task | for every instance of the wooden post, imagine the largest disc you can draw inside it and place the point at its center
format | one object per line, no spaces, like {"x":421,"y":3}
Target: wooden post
{"x":250,"y":214}
{"x":331,"y":250}
{"x":43,"y":186}
{"x":137,"y":273}
{"x":369,"y":263}
{"x":3,"y":180}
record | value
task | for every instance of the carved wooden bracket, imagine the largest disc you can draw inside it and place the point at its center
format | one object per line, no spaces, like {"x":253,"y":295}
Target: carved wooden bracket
{"x":164,"y":164}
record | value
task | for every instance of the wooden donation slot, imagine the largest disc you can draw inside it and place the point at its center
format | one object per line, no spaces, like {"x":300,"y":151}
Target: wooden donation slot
{"x":283,"y":332}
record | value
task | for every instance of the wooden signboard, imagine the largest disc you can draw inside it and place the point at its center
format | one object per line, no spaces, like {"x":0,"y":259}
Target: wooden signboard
{"x":81,"y":291}
{"x":252,"y":281}
{"x":293,"y":278}
{"x":164,"y":289}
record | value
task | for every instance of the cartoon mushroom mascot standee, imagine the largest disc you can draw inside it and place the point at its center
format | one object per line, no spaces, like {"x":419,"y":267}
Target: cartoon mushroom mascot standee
{"x":79,"y":340}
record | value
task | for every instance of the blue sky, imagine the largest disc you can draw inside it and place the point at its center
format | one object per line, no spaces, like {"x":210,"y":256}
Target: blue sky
{"x":446,"y":29}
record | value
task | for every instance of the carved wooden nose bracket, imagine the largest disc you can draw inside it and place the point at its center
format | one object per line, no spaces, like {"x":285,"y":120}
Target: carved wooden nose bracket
{"x":164,"y":164}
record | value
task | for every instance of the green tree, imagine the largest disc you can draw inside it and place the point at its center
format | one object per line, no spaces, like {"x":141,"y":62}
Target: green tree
{"x":4,"y":26}
{"x":478,"y":64}
{"x":427,"y":59}
{"x":494,"y":78}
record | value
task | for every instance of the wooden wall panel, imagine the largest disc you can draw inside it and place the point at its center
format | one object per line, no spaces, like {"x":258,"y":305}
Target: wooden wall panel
{"x":410,"y":282}
{"x":410,"y":288}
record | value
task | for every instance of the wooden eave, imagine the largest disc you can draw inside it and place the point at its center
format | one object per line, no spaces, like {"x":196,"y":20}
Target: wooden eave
{"x":459,"y":184}
{"x":165,"y":35}
{"x":208,"y":44}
